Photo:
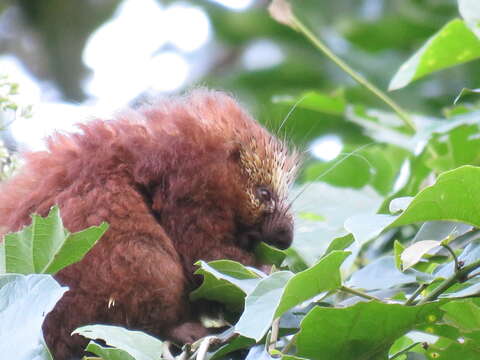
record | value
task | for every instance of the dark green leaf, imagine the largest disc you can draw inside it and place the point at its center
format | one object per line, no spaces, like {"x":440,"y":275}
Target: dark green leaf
{"x":365,"y":330}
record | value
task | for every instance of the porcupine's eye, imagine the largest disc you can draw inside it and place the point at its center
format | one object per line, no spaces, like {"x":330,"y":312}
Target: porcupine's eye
{"x":264,"y":195}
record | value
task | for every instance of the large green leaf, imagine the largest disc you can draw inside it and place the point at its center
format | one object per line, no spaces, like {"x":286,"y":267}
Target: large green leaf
{"x":25,"y":301}
{"x":364,"y":331}
{"x":137,"y":344}
{"x":464,"y":314}
{"x":282,"y":290}
{"x":454,"y":44}
{"x":225,"y":281}
{"x":455,"y":196}
{"x":46,"y":246}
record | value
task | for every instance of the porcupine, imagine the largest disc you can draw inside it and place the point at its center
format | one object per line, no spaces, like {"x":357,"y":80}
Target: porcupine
{"x":183,"y":179}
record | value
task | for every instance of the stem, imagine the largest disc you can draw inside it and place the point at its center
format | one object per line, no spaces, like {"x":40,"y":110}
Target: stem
{"x":401,"y":352}
{"x":289,"y":345}
{"x":416,"y":293}
{"x":450,"y":250}
{"x":274,"y":337}
{"x":458,"y":276}
{"x":358,"y":293}
{"x":356,"y":76}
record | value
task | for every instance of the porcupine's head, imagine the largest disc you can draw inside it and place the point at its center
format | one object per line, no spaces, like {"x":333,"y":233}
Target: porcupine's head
{"x":266,"y":170}
{"x":270,"y":169}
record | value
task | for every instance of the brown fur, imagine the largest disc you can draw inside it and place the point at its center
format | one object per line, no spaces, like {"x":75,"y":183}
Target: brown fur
{"x":168,"y":180}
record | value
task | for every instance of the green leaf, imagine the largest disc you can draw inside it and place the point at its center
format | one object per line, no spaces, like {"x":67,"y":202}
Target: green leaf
{"x":266,"y":254}
{"x":454,"y":44}
{"x":340,"y":243}
{"x":46,"y":246}
{"x":282,"y":290}
{"x":24,"y":303}
{"x":316,"y":101}
{"x":464,"y":314}
{"x":456,"y":147}
{"x":75,"y":246}
{"x":261,"y":304}
{"x":225,"y":281}
{"x":455,"y":196}
{"x":412,"y":254}
{"x":324,"y":276}
{"x":135,"y":343}
{"x":237,"y":343}
{"x":108,"y":353}
{"x":364,"y":331}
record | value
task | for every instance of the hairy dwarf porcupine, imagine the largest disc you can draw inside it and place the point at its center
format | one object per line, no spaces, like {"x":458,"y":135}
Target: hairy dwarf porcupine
{"x":184,"y":179}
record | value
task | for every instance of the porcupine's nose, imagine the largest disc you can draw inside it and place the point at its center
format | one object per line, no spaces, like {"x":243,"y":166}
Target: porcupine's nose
{"x":280,"y":237}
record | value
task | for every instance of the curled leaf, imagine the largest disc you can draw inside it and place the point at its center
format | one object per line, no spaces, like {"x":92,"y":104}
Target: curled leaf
{"x":412,"y":254}
{"x":281,"y":11}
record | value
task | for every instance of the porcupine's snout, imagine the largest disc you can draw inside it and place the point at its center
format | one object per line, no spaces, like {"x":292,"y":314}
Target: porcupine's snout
{"x":278,"y":231}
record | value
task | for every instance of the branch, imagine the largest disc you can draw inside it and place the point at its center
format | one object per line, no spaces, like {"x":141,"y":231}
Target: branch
{"x":417,"y":292}
{"x":457,"y":277}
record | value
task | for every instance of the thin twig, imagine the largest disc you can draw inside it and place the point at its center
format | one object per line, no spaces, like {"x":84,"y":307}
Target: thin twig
{"x":458,"y":276}
{"x":401,"y":352}
{"x":356,"y":76}
{"x":358,"y":293}
{"x":417,"y":292}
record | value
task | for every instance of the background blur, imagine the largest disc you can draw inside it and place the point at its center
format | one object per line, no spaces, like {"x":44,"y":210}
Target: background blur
{"x":77,"y":59}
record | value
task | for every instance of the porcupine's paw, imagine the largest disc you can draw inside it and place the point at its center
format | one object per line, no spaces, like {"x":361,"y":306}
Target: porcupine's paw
{"x":188,"y":332}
